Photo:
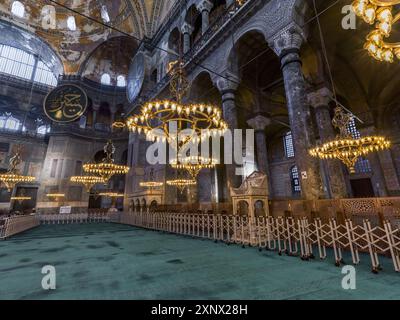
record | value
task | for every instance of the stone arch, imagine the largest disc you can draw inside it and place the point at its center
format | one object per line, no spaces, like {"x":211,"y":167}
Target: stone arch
{"x":153,"y":206}
{"x":194,"y":19}
{"x":259,"y":208}
{"x":243,"y":208}
{"x":144,"y":204}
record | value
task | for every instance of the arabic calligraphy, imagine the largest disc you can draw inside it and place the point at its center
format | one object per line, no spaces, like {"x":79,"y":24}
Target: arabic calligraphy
{"x":65,"y":103}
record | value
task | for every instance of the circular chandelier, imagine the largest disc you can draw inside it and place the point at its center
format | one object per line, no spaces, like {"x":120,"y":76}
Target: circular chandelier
{"x":107,"y":168}
{"x":165,"y":120}
{"x":380,"y":13}
{"x":12,"y":177}
{"x":20,"y":199}
{"x":346,"y":148}
{"x":111,"y":194}
{"x":194,"y":164}
{"x":88,"y":181}
{"x":151,"y":184}
{"x":158,"y":120}
{"x":55,"y":196}
{"x":181,"y":184}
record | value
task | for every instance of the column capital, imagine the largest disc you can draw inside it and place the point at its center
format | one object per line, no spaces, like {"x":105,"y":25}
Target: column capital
{"x":186,"y":28}
{"x":227,"y":84}
{"x":205,"y":5}
{"x":96,"y":105}
{"x":320,"y":98}
{"x":259,"y":123}
{"x":287,"y":41}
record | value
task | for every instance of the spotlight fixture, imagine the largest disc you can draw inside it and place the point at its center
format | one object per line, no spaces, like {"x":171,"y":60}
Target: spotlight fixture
{"x":345,"y":147}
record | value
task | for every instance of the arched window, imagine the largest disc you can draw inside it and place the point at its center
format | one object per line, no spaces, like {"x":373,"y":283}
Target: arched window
{"x":21,"y":64}
{"x":105,"y":79}
{"x":288,"y":143}
{"x":8,"y":122}
{"x":363,"y":165}
{"x":18,"y":9}
{"x":43,"y":129}
{"x":45,"y":75}
{"x":71,"y":24}
{"x":295,"y":177}
{"x":121,"y":81}
{"x":104,"y":14}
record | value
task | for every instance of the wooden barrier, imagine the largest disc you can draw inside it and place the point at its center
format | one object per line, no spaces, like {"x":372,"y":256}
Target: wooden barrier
{"x":79,"y":218}
{"x":17,"y":224}
{"x":287,"y":235}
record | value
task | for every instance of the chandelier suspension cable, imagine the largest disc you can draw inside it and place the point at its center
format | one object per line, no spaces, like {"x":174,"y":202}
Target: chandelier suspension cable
{"x":158,"y":47}
{"x":328,"y":65}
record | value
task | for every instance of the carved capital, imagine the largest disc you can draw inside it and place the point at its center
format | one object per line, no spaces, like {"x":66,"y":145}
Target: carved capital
{"x":229,"y":83}
{"x":259,"y":123}
{"x":287,"y":40}
{"x":205,"y":5}
{"x":320,"y":98}
{"x":187,"y":28}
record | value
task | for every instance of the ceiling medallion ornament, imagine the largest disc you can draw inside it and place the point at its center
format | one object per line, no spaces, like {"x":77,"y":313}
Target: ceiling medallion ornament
{"x":164,"y":120}
{"x":345,"y":147}
{"x":66,"y":103}
{"x":13,"y":177}
{"x":107,"y":168}
{"x":380,"y":13}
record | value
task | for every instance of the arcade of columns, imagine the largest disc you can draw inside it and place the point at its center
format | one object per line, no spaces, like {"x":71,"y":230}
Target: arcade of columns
{"x":318,"y":179}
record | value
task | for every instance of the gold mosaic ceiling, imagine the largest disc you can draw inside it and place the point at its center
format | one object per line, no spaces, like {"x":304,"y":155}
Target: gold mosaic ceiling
{"x":136,"y":17}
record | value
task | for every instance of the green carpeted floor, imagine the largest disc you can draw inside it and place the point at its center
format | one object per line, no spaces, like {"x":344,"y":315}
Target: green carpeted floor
{"x":110,"y":261}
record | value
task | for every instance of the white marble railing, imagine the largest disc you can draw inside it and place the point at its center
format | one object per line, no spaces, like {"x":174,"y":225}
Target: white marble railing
{"x":17,"y":224}
{"x":292,"y":236}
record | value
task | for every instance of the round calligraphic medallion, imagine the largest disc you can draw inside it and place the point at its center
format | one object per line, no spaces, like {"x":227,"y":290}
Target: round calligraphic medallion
{"x":65,"y":103}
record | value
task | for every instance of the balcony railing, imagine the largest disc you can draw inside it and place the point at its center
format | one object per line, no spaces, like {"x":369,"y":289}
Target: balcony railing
{"x":23,"y":133}
{"x":198,"y":45}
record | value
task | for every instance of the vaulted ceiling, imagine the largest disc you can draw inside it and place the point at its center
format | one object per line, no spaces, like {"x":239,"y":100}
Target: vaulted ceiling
{"x":138,"y":18}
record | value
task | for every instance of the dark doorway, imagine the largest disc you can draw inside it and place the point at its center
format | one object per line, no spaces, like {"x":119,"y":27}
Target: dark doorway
{"x":362,"y":188}
{"x":95,"y":202}
{"x":26,"y":206}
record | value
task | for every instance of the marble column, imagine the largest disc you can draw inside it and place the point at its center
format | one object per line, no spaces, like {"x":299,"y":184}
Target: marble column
{"x":205,"y":7}
{"x":113,"y":110}
{"x":259,"y":124}
{"x":287,"y":45}
{"x":186,"y":30}
{"x":334,"y":175}
{"x":228,"y":89}
{"x":96,"y":108}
